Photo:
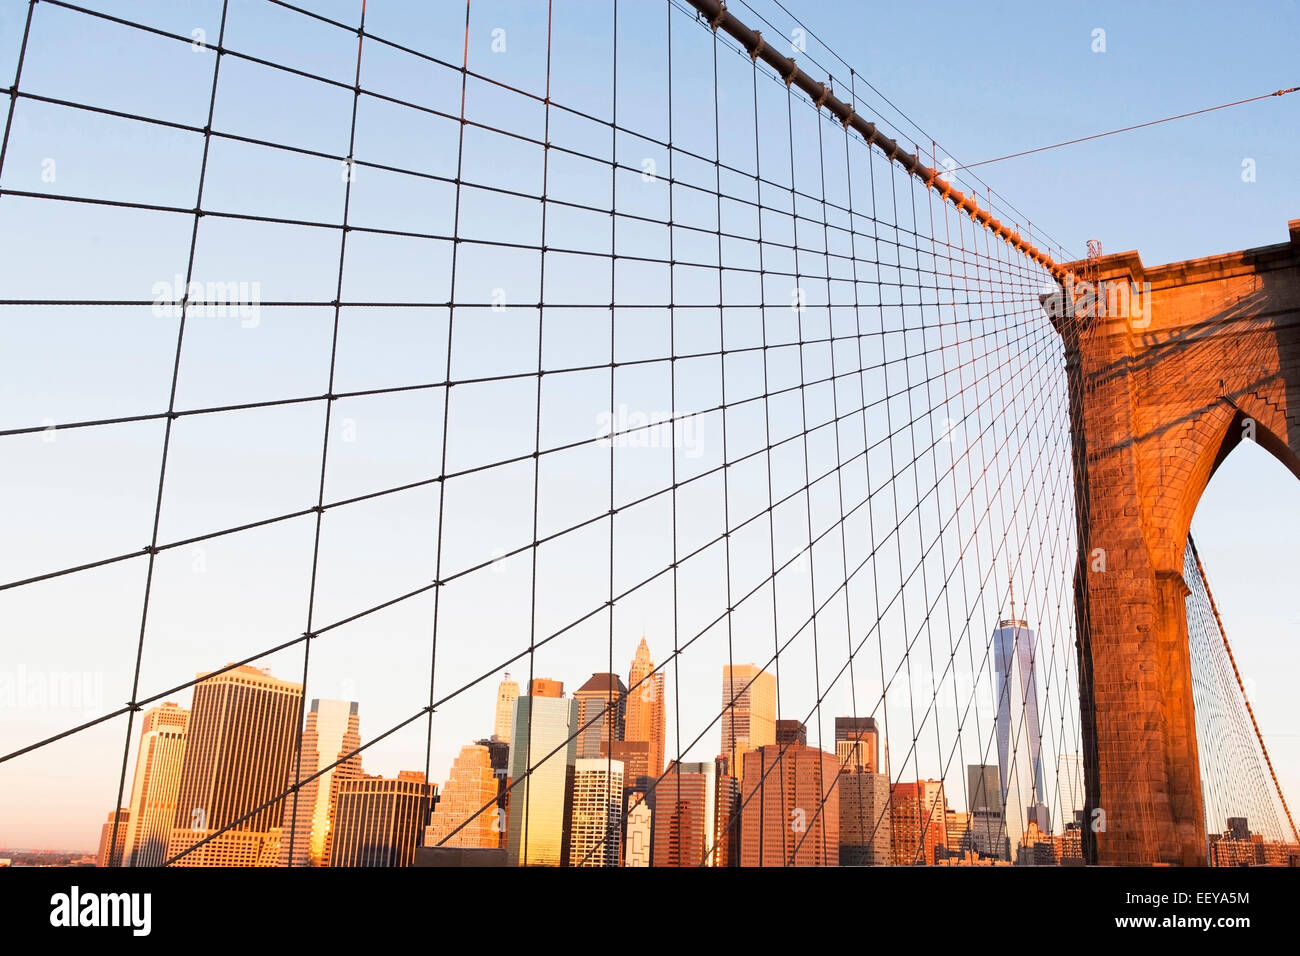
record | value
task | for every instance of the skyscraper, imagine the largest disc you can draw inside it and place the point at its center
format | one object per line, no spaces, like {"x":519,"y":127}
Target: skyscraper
{"x":748,"y":713}
{"x":110,"y":849}
{"x":640,"y":825}
{"x":983,"y":788}
{"x":1019,"y":737}
{"x":646,"y":709}
{"x":727,"y":833}
{"x":865,"y":825}
{"x":791,"y":814}
{"x":378,"y":821}
{"x":688,"y":802}
{"x":791,"y":732}
{"x":332,"y":729}
{"x":635,"y":755}
{"x":919,"y":821}
{"x":857,"y":743}
{"x":242,"y":733}
{"x":507,"y":694}
{"x":596,"y":818}
{"x":546,"y":687}
{"x":537,"y":832}
{"x":158,"y":762}
{"x":499,"y":753}
{"x":987,"y":833}
{"x":473,"y":785}
{"x":602,"y":712}
{"x":958,"y":827}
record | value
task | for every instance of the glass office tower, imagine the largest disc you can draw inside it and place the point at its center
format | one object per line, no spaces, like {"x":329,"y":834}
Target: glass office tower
{"x":537,"y":832}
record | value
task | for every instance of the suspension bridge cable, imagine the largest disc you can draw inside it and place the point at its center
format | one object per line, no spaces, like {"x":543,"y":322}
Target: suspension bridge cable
{"x":1127,"y":129}
{"x":912,"y":351}
{"x":152,"y":549}
{"x":1241,"y":686}
{"x":890,"y":103}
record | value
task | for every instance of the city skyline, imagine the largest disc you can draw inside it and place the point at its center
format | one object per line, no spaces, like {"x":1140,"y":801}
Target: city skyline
{"x":859,"y":816}
{"x":889,"y":821}
{"x":590,"y":826}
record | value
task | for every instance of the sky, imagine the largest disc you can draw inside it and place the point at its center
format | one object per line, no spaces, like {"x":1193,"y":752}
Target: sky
{"x":1021,"y":75}
{"x":80,"y":495}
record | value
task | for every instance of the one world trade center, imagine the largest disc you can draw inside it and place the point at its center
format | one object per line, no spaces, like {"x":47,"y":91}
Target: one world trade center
{"x":1019,"y":738}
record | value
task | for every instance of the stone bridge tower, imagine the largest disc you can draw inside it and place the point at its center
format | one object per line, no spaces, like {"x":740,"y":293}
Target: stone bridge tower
{"x":1161,"y":393}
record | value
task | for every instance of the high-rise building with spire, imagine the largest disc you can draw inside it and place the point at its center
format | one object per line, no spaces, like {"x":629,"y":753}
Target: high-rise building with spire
{"x":1020,"y":767}
{"x":646,"y":709}
{"x":332,"y":729}
{"x":243,"y":730}
{"x":507,"y":694}
{"x":158,"y":762}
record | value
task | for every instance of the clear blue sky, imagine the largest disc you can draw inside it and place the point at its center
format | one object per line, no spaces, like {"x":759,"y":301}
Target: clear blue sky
{"x":990,"y":83}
